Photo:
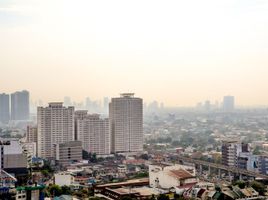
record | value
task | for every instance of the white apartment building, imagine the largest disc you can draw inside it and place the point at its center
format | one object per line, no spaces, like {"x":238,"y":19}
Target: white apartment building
{"x":126,"y":123}
{"x":93,"y":131}
{"x":55,"y":125}
{"x":161,"y":176}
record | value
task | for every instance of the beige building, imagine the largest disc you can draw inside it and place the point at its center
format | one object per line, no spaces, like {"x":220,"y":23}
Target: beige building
{"x":64,"y":178}
{"x":31,"y":134}
{"x":93,"y":131}
{"x":167,"y":177}
{"x":126,"y":122}
{"x":55,"y":125}
{"x":29,"y":148}
{"x":68,"y":152}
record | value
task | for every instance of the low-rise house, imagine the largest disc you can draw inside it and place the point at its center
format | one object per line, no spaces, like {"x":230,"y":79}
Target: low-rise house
{"x":171,"y":176}
{"x":64,"y":178}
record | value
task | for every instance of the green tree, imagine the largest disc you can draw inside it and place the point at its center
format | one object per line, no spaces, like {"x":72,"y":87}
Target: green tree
{"x":45,"y":172}
{"x":144,"y":156}
{"x":66,"y":190}
{"x":81,"y":193}
{"x":259,"y":187}
{"x":240,"y":184}
{"x":85,"y":155}
{"x":175,"y":143}
{"x":47,"y":166}
{"x":141,"y":175}
{"x":92,"y":157}
{"x":257,"y":150}
{"x":186,"y":140}
{"x":162,"y":197}
{"x":55,"y":190}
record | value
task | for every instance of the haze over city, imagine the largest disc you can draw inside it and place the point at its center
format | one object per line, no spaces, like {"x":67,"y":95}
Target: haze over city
{"x":133,"y":100}
{"x":176,"y":52}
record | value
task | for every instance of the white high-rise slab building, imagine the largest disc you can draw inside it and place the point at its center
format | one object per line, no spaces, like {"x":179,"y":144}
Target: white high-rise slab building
{"x":126,"y":122}
{"x":228,"y":104}
{"x":20,"y":105}
{"x":55,"y":126}
{"x":93,"y":131}
{"x":4,"y":108}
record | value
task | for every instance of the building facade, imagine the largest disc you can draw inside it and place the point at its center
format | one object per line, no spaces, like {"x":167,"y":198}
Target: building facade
{"x":171,"y":176}
{"x":20,"y":105}
{"x":263,"y":164}
{"x":31,"y":134}
{"x":228,"y":104}
{"x":4,"y":108}
{"x":29,"y":150}
{"x":248,"y":161}
{"x":94,"y":132}
{"x":231,"y":150}
{"x":126,"y":123}
{"x":229,"y":153}
{"x":55,"y":126}
{"x":12,"y":157}
{"x":68,"y":152}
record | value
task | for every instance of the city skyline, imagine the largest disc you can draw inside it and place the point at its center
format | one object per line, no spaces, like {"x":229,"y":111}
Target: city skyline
{"x":179,"y":52}
{"x":101,"y":105}
{"x":133,"y":100}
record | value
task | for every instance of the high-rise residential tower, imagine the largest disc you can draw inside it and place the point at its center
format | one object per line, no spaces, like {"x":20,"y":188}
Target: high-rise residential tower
{"x":4,"y":108}
{"x":93,"y":131}
{"x":228,"y":103}
{"x":55,"y":126}
{"x":231,"y":150}
{"x":20,"y":105}
{"x":126,"y":123}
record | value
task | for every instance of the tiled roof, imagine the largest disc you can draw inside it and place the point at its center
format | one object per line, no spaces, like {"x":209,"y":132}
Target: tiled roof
{"x":181,"y":174}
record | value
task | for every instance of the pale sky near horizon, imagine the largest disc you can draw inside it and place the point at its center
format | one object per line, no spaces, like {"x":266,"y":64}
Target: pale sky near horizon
{"x":176,"y":52}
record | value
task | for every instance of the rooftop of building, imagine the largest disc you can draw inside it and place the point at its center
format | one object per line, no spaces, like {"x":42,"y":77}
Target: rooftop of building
{"x":127,"y":95}
{"x":180,"y":174}
{"x":129,"y":182}
{"x":52,"y":104}
{"x":141,"y":191}
{"x":123,"y":191}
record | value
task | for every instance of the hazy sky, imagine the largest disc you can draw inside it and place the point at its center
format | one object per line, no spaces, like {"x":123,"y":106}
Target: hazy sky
{"x":179,"y":52}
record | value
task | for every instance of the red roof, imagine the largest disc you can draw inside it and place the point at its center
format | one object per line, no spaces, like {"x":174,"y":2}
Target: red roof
{"x":181,"y":174}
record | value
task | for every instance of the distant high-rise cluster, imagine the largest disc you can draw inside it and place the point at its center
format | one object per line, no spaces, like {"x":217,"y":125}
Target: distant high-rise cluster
{"x":228,"y":105}
{"x":93,"y":106}
{"x":58,"y":126}
{"x":16,"y":107}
